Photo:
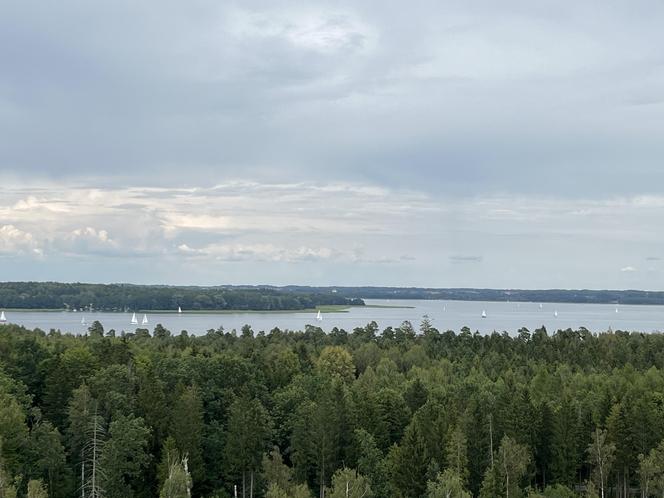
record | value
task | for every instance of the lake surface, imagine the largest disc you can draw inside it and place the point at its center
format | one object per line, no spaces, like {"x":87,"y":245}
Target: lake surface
{"x":444,"y":315}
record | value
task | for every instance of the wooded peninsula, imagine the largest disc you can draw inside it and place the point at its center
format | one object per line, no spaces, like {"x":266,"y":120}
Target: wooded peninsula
{"x":403,"y":412}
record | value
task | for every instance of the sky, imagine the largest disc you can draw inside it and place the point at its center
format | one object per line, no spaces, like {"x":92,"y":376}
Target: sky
{"x":469,"y":143}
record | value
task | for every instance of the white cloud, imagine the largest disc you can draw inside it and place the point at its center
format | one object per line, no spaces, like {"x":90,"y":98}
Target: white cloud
{"x":325,"y":32}
{"x":16,"y":241}
{"x":88,"y":241}
{"x":343,"y":227}
{"x":259,"y":252}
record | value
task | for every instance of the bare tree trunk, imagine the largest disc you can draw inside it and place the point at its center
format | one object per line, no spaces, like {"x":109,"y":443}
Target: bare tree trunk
{"x":251,"y":485}
{"x":94,"y":460}
{"x":244,"y":484}
{"x":82,"y":475}
{"x":491,"y":438}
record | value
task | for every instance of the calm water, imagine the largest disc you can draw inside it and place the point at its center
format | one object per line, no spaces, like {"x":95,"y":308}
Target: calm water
{"x":445,"y":315}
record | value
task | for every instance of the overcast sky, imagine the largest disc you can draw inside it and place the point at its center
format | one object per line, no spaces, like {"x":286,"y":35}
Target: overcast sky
{"x":442,"y":143}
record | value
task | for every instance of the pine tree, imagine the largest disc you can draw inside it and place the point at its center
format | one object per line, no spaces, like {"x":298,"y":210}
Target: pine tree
{"x":249,"y":429}
{"x":124,"y":456}
{"x":457,"y":453}
{"x":187,"y":427}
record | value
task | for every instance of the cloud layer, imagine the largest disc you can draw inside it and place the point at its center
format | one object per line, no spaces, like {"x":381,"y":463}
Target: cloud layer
{"x":561,"y":99}
{"x":333,"y":233}
{"x":444,"y":143}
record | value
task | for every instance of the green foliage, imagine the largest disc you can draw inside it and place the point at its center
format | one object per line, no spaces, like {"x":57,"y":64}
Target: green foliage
{"x":120,"y":297}
{"x":336,"y":361}
{"x":513,"y":461}
{"x":457,"y":453}
{"x":178,"y":481}
{"x":601,"y":457}
{"x":36,"y":489}
{"x":124,"y":456}
{"x":448,"y":484}
{"x":347,"y":483}
{"x":411,"y":413}
{"x":187,"y":427}
{"x":249,"y":430}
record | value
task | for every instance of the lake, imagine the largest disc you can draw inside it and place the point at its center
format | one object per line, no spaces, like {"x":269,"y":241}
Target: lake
{"x":444,"y":315}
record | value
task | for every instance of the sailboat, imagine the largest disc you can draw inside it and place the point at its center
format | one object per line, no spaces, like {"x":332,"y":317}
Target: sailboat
{"x":145,"y":319}
{"x":3,"y":318}
{"x":555,"y":313}
{"x":82,"y":320}
{"x":483,"y":313}
{"x":616,"y":310}
{"x":540,"y":306}
{"x":134,"y":321}
{"x":319,"y":316}
{"x":179,"y":310}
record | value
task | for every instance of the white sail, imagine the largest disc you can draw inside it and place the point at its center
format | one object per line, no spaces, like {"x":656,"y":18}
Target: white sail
{"x":540,"y":306}
{"x":83,"y":321}
{"x":319,"y":317}
{"x":145,"y":319}
{"x":555,"y":313}
{"x":616,"y":310}
{"x":133,"y":319}
{"x":484,"y":314}
{"x":179,"y":310}
{"x":3,"y":318}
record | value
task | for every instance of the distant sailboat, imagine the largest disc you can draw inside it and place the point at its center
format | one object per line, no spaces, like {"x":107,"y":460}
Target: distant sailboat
{"x":483,"y":313}
{"x":616,"y":310}
{"x":319,"y":316}
{"x":134,"y":321}
{"x":179,"y":310}
{"x":555,"y":313}
{"x":3,"y":318}
{"x":540,"y":306}
{"x":82,"y":320}
{"x":145,"y":319}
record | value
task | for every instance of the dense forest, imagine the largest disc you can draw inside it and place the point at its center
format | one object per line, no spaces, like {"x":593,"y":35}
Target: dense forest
{"x":516,"y":295}
{"x":126,"y":297}
{"x":397,"y":413}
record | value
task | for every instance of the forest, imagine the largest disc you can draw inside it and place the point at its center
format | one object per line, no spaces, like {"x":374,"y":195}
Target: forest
{"x":405,"y":412}
{"x":126,"y":297}
{"x":515,"y":295}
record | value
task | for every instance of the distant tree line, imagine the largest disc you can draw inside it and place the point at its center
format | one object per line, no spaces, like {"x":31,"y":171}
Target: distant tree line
{"x":516,"y":295}
{"x":397,"y":413}
{"x":125,"y":297}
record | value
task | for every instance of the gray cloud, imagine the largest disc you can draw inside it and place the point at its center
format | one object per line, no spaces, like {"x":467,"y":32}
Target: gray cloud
{"x":447,"y":96}
{"x":328,"y":233}
{"x":466,"y":259}
{"x":294,"y":142}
